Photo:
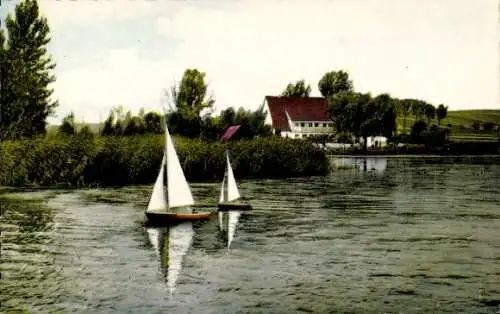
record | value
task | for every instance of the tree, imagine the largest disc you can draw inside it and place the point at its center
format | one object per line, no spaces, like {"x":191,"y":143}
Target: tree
{"x":417,"y":129}
{"x":108,"y":128}
{"x":441,"y":113}
{"x":404,"y":107}
{"x":362,"y":115}
{"x":334,"y":82}
{"x":488,"y":125}
{"x":418,"y":108}
{"x":297,"y":89}
{"x":153,"y":123}
{"x":25,"y":73}
{"x":68,"y":125}
{"x":430,"y":113}
{"x":186,"y":103}
{"x":190,"y":97}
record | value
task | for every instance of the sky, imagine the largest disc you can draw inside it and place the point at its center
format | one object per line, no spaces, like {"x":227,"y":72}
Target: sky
{"x":126,"y":52}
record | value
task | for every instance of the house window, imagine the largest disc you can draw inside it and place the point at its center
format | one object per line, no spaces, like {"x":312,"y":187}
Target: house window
{"x":324,"y":125}
{"x":310,"y":124}
{"x":302,"y":124}
{"x":316,"y":124}
{"x":297,"y":124}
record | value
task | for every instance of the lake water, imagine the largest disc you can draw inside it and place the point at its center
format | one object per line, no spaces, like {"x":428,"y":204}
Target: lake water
{"x":393,"y":235}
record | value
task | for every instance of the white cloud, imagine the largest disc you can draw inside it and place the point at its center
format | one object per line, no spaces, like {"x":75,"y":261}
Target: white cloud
{"x":80,"y":12}
{"x":441,"y":51}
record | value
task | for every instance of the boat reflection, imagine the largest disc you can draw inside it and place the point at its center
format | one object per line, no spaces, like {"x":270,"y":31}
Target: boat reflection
{"x":228,"y":221}
{"x":171,"y":245}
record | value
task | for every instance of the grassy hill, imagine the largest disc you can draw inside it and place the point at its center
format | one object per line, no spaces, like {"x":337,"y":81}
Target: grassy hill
{"x":461,"y":122}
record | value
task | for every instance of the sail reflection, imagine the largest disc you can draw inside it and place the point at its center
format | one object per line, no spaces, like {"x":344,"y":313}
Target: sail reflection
{"x":228,"y":221}
{"x":171,"y":245}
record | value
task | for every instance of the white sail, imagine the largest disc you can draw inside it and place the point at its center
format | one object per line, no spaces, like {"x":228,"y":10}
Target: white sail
{"x":232,"y":189}
{"x":158,"y":200}
{"x":222,"y":189}
{"x":179,"y":193}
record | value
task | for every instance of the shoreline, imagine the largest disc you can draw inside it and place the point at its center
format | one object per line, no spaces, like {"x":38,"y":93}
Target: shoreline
{"x":413,"y":155}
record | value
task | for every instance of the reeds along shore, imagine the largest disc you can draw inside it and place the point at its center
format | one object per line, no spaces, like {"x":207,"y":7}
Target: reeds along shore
{"x":79,"y":161}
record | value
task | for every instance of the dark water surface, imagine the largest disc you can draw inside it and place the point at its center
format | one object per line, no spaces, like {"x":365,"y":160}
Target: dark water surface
{"x":393,"y":235}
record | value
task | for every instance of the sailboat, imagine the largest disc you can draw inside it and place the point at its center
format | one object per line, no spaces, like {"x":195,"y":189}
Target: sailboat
{"x":230,"y":198}
{"x":176,"y":204}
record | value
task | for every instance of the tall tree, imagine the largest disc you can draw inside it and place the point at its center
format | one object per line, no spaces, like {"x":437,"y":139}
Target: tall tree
{"x":418,"y":108}
{"x":441,"y":113}
{"x":334,"y":82}
{"x":26,"y":73}
{"x":404,"y":107}
{"x":430,"y":113}
{"x":191,"y":96}
{"x":297,"y":89}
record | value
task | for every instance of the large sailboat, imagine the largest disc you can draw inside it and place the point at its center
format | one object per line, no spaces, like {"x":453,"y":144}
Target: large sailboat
{"x":174,"y":205}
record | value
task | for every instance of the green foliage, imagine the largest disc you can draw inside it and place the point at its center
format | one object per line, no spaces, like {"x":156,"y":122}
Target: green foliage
{"x":252,"y":123}
{"x":441,"y":113}
{"x":334,"y":82}
{"x":118,"y":160}
{"x":418,"y":128}
{"x":68,"y":125}
{"x":190,"y":97}
{"x":430,"y":113}
{"x":476,"y":125}
{"x":25,"y":73}
{"x":488,"y":125}
{"x":363,"y":115}
{"x":297,"y":89}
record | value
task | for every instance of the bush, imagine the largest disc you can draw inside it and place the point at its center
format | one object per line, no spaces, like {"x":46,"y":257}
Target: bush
{"x":488,"y":126}
{"x":83,"y":160}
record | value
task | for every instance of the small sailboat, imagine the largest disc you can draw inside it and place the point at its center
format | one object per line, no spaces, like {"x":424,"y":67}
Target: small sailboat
{"x":176,"y":204}
{"x":230,"y":198}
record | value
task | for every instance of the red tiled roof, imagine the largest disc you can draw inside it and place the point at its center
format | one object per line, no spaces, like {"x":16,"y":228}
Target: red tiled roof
{"x":298,"y":108}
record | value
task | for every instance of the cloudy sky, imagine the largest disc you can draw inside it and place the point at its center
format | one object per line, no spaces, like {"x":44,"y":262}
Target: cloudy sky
{"x":126,"y":51}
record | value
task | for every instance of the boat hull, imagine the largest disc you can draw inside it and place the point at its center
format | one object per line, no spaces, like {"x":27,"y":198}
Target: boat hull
{"x":238,"y":205}
{"x":166,"y":218}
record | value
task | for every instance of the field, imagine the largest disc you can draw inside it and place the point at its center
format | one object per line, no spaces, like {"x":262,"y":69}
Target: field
{"x":461,"y":122}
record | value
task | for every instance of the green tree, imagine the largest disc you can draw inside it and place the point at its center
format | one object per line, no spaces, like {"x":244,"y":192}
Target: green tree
{"x":186,"y":103}
{"x":430,"y":113}
{"x":108,"y":128}
{"x":297,"y":89}
{"x":418,"y":129}
{"x":441,"y":113}
{"x":26,"y":74}
{"x":418,"y":108}
{"x":362,"y":115}
{"x":68,"y":125}
{"x":404,"y":107}
{"x":334,"y":82}
{"x":191,"y":96}
{"x":153,"y":123}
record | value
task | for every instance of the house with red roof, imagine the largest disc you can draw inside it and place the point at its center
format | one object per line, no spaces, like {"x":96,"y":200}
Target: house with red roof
{"x":298,"y":117}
